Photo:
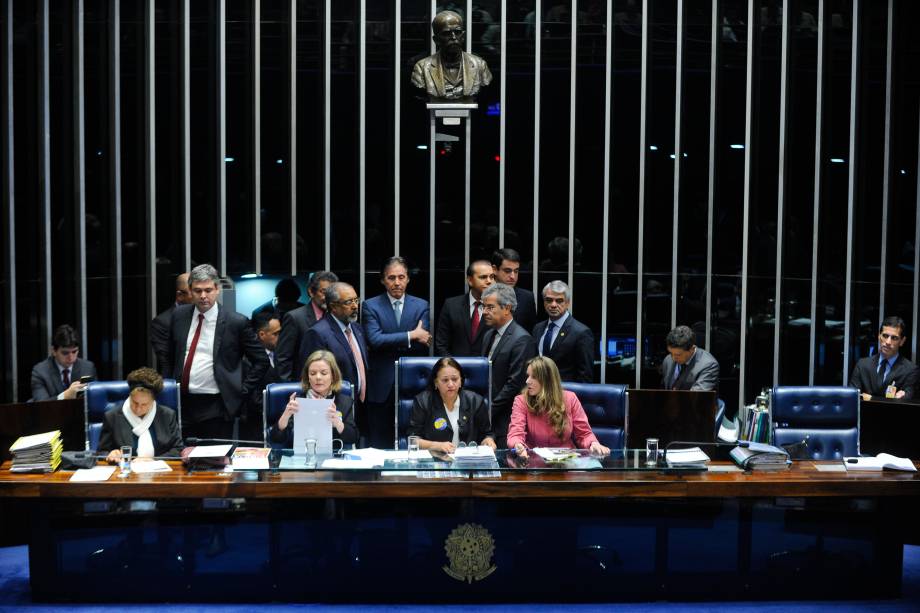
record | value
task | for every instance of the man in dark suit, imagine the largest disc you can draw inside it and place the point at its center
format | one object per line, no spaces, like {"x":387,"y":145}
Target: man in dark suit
{"x":564,"y":339}
{"x":295,"y":323}
{"x":207,"y":344}
{"x":875,"y":373}
{"x":58,"y":376}
{"x":267,"y":326}
{"x":688,"y":367}
{"x":397,"y":325}
{"x":509,"y":347}
{"x":506,"y":263}
{"x":159,"y":325}
{"x":340,"y":333}
{"x":460,"y":326}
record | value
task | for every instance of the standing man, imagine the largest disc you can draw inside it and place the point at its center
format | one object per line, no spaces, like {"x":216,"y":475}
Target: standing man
{"x":207,"y":344}
{"x":460,"y":330}
{"x":873,"y":374}
{"x":506,"y":263}
{"x":564,"y":339}
{"x":688,"y":367}
{"x":509,"y":347}
{"x":159,"y":326}
{"x":295,"y":323}
{"x":397,"y":325}
{"x":340,"y":333}
{"x":267,"y":327}
{"x":58,"y":376}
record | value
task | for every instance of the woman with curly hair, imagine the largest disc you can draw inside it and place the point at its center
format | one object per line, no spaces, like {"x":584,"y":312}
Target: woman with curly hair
{"x":545,"y":415}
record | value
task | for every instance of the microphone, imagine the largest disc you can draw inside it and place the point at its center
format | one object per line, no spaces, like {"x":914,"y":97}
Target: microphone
{"x":194,"y":440}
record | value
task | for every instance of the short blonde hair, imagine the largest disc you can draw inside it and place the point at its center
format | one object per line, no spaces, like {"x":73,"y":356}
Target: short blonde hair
{"x":327,"y":357}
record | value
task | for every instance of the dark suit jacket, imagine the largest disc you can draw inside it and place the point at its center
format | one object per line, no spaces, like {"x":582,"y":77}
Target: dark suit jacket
{"x":473,"y":419}
{"x":117,"y":432}
{"x":572,"y":351}
{"x":46,"y":378}
{"x":326,"y":334}
{"x":453,"y":334}
{"x":903,"y":374}
{"x":700,"y":373}
{"x":387,"y":340}
{"x":345,"y":405}
{"x":233,"y":339}
{"x":254,"y":406}
{"x":509,"y":371}
{"x":294,"y":326}
{"x":159,"y":338}
{"x":525,"y":314}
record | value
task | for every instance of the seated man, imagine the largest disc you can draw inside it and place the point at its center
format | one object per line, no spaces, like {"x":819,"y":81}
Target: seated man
{"x":875,"y":373}
{"x":58,"y":376}
{"x":688,"y":367}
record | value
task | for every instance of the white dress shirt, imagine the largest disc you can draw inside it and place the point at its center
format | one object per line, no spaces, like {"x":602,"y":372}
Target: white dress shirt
{"x":201,"y":378}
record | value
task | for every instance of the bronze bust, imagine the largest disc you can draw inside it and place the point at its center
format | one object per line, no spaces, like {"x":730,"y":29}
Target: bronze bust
{"x":451,"y":73}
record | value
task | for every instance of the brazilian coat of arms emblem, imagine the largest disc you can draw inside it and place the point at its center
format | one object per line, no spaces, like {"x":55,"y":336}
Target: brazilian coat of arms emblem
{"x":469,"y":548}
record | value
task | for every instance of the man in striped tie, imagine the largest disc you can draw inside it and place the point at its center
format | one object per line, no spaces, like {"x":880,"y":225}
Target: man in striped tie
{"x":874,"y":374}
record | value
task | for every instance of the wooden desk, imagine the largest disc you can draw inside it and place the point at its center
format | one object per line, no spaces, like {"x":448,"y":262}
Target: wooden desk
{"x":556,"y":536}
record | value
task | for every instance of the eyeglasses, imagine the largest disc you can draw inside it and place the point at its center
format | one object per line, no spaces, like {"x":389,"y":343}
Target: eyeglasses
{"x":349,"y":302}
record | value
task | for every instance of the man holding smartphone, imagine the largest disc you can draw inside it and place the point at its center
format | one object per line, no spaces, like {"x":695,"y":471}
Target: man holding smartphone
{"x":63,"y":374}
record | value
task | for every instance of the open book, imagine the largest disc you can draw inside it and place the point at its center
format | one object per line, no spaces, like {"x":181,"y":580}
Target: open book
{"x":879,"y":462}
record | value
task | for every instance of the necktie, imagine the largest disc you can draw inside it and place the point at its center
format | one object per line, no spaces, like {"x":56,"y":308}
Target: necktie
{"x":397,"y":310}
{"x":65,"y":376}
{"x":474,"y":322}
{"x":677,"y":369}
{"x":271,"y":358}
{"x":882,"y":370}
{"x":356,"y":351}
{"x":494,"y":343}
{"x":187,"y":368}
{"x":548,"y":338}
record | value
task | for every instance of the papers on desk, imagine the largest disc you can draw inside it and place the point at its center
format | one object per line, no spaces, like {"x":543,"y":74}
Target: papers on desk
{"x":149,"y":466}
{"x":250,"y":458}
{"x":555,"y":455}
{"x":210,"y":451}
{"x":96,"y":473}
{"x":879,"y":463}
{"x":760,"y":456}
{"x":694,"y":457}
{"x":37,"y":453}
{"x":355,"y":464}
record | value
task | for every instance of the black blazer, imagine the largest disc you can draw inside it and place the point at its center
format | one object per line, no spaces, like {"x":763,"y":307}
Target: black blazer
{"x":573,"y":350}
{"x":903,"y":374}
{"x":46,"y":378}
{"x":326,"y":334}
{"x":346,"y":406}
{"x":509,"y":371}
{"x":159,"y":338}
{"x":453,"y":334}
{"x":233,"y":339}
{"x":294,"y":326}
{"x":117,"y":432}
{"x":525,"y":314}
{"x":473,"y":419}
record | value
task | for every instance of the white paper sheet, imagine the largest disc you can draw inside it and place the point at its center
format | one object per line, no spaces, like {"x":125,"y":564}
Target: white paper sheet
{"x":96,"y":473}
{"x":310,"y":421}
{"x":210,"y":451}
{"x":150,"y":466}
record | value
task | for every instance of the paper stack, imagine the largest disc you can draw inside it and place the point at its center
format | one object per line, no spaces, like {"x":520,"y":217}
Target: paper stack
{"x":693,"y":457}
{"x":38,"y":453}
{"x":760,"y":456}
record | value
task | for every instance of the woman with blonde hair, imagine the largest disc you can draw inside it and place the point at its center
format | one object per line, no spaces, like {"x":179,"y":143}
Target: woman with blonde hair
{"x":545,"y":415}
{"x":321,"y":378}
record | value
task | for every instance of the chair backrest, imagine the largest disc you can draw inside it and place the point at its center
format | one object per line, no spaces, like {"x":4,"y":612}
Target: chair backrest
{"x":101,"y":396}
{"x":275,"y":398}
{"x":827,"y":416}
{"x":412,"y":375}
{"x":605,"y":406}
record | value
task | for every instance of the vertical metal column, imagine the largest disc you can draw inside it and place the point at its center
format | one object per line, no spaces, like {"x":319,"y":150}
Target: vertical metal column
{"x":9,"y":204}
{"x":222,"y":130}
{"x":115,"y":174}
{"x":605,"y":251}
{"x":711,"y":194}
{"x":327,"y":122}
{"x":781,"y":191}
{"x":537,"y":93}
{"x":44,"y":157}
{"x":468,"y":147}
{"x":643,"y":100}
{"x":503,"y":112}
{"x":397,"y":110}
{"x":816,"y":214}
{"x":432,"y":143}
{"x":913,"y":342}
{"x":150,"y":152}
{"x":573,"y":71}
{"x":886,"y":177}
{"x":186,"y":137}
{"x":362,"y":141}
{"x":752,"y":25}
{"x":678,"y":107}
{"x":79,"y":169}
{"x":851,"y":190}
{"x":257,"y":133}
{"x":292,"y":117}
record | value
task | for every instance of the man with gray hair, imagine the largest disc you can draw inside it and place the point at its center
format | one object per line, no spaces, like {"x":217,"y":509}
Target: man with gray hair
{"x":509,"y":347}
{"x":567,"y":341}
{"x":688,"y":367}
{"x":207,"y":344}
{"x":296,"y":322}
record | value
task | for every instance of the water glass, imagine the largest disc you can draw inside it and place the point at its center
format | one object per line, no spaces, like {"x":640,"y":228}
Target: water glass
{"x":651,"y":451}
{"x":125,"y":463}
{"x":310,"y":453}
{"x":413,"y":446}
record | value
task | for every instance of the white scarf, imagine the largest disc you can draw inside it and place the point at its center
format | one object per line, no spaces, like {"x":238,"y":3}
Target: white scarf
{"x":140,"y":426}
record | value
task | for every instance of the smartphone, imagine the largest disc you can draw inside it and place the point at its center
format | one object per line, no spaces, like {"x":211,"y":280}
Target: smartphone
{"x":86,"y":379}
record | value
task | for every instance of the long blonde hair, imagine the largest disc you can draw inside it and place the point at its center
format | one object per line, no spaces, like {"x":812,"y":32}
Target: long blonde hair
{"x":327,"y":357}
{"x":550,"y":400}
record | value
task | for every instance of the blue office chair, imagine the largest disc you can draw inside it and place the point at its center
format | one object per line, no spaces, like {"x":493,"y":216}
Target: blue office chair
{"x":275,"y":398}
{"x":412,"y":375}
{"x":102,"y":396}
{"x":828,"y":417}
{"x":605,"y":406}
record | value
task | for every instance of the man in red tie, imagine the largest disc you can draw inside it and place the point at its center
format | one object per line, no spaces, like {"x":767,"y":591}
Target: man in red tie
{"x":207,"y":344}
{"x":460,"y":326}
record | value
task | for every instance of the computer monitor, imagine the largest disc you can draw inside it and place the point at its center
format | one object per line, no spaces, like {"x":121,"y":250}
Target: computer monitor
{"x":669,"y":415}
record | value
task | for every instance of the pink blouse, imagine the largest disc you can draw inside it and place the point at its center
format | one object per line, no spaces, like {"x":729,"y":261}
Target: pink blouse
{"x":536,"y":431}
